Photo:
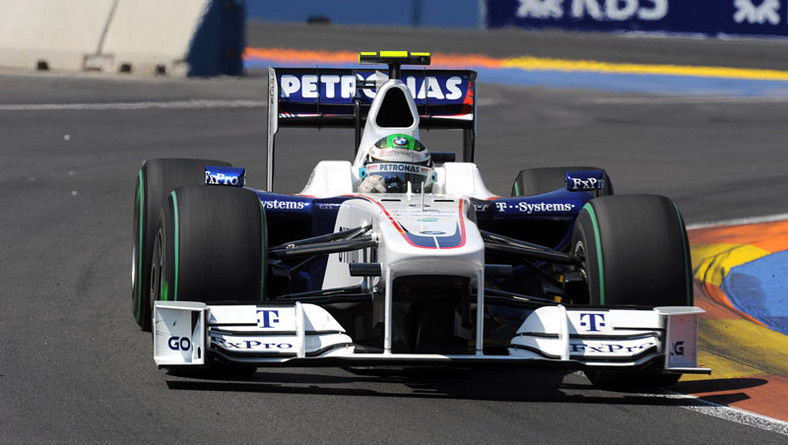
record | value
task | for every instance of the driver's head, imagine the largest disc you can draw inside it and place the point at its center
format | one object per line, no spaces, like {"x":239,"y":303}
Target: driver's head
{"x":393,"y":162}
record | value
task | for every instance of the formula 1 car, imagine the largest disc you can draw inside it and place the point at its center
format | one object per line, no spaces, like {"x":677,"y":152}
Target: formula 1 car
{"x":402,"y":257}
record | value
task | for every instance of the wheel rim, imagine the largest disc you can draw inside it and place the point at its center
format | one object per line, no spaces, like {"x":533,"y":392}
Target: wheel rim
{"x":579,"y":251}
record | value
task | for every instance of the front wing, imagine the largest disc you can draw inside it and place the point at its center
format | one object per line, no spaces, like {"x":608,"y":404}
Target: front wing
{"x":307,"y":335}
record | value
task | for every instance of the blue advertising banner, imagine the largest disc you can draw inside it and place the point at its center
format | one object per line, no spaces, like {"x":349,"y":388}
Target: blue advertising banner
{"x":710,"y":17}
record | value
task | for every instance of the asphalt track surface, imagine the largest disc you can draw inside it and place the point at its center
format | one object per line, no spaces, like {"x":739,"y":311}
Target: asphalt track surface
{"x":74,"y":368}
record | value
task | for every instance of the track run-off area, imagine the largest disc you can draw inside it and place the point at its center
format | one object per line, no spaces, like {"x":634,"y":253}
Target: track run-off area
{"x":74,"y":367}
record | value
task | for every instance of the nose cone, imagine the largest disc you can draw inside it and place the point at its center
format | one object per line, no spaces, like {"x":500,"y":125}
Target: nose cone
{"x":436,"y":239}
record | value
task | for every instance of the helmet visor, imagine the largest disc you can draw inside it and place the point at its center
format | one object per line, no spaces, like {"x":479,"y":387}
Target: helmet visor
{"x":397,"y":176}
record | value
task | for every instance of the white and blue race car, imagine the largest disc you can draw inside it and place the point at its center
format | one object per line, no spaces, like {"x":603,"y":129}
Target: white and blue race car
{"x":403,"y":257}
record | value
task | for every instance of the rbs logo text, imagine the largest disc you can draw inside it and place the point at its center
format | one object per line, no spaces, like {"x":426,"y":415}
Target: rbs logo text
{"x":600,"y":10}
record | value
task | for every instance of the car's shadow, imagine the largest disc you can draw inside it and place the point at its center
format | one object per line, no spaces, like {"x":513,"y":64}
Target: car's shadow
{"x":508,"y":385}
{"x":725,"y":391}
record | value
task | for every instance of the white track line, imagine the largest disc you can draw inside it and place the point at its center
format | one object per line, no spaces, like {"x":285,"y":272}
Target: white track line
{"x":721,"y":411}
{"x":180,"y":104}
{"x":727,"y":413}
{"x":670,"y":100}
{"x":740,"y":221}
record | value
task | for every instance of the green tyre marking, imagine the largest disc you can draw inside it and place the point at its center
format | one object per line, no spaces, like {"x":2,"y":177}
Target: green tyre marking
{"x":590,"y":209}
{"x":687,"y":260}
{"x":516,"y":189}
{"x":140,"y":200}
{"x":164,"y":291}
{"x":177,"y":243}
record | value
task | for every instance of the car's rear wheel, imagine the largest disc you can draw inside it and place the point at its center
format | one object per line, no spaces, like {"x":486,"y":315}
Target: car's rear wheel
{"x":155,"y":180}
{"x":635,"y":252}
{"x":536,"y":181}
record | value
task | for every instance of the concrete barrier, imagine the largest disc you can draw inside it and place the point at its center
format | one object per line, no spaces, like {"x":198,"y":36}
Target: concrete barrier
{"x":53,"y":34}
{"x":186,"y":37}
{"x":149,"y":35}
{"x":176,"y":37}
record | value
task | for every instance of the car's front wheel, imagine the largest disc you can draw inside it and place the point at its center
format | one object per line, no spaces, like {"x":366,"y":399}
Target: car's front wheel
{"x":635,"y":252}
{"x":210,"y":246}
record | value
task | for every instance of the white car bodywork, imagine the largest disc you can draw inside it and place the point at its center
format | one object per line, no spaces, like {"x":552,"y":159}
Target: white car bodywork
{"x":292,"y":335}
{"x":416,"y":232}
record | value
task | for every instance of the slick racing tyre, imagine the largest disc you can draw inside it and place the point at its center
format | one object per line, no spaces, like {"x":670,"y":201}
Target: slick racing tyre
{"x":210,"y":246}
{"x":635,"y":252}
{"x":155,"y":180}
{"x":535,"y":181}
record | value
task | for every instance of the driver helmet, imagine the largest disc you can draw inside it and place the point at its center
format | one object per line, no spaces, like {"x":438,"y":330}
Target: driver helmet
{"x":395,"y":161}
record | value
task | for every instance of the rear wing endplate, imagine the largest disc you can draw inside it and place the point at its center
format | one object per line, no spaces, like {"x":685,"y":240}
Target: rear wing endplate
{"x":329,"y":97}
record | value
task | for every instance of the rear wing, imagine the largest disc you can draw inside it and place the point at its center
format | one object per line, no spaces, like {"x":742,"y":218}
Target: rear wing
{"x":338,"y":97}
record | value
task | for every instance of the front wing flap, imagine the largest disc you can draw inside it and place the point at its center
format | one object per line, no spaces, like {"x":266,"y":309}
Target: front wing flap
{"x":614,"y":338}
{"x":307,"y":335}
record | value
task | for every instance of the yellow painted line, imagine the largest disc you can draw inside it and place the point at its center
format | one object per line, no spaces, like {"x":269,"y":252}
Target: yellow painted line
{"x":738,"y":348}
{"x":393,"y":54}
{"x":526,"y":63}
{"x":712,"y":262}
{"x":538,"y":63}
